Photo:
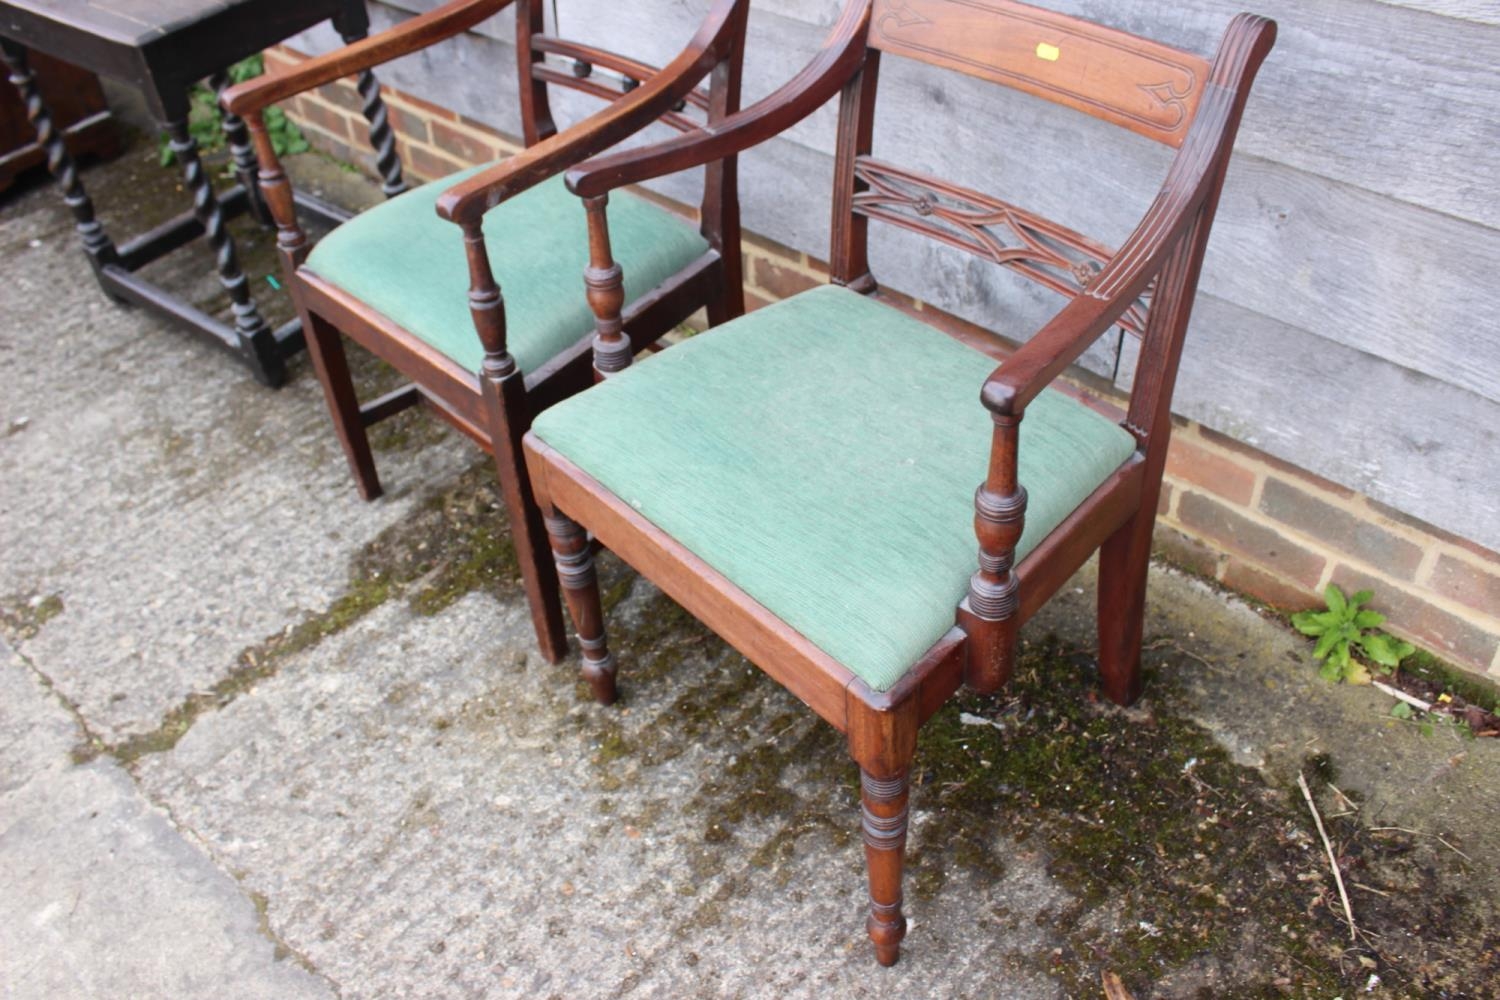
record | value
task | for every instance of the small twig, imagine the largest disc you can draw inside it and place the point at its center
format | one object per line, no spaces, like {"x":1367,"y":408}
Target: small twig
{"x":1347,"y":800}
{"x":1419,"y":833}
{"x":1171,"y":644}
{"x":1400,"y":695}
{"x":1370,"y":888}
{"x":1333,"y":860}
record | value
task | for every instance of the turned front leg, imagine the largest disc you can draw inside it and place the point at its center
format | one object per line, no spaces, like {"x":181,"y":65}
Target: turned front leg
{"x":575,"y":571}
{"x":883,"y":742}
{"x":883,"y":808}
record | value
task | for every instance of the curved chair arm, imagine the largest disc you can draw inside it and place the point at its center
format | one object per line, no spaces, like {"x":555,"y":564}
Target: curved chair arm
{"x":466,"y":202}
{"x":409,"y":36}
{"x":1192,"y":182}
{"x":841,"y":54}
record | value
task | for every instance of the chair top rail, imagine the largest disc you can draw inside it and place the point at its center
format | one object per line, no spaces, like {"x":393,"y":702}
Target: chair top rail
{"x":1147,"y":87}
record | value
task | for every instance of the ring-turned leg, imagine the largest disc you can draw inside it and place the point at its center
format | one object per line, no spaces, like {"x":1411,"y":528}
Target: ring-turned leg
{"x":256,"y":339}
{"x":883,"y":810}
{"x":96,"y":242}
{"x":575,"y":569}
{"x":883,"y":741}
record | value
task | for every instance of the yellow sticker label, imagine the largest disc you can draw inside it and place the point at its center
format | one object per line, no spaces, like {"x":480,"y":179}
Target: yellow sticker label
{"x":1047,"y":52}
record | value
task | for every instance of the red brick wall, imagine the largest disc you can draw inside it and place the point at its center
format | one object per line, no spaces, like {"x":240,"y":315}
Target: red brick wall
{"x":1247,"y":520}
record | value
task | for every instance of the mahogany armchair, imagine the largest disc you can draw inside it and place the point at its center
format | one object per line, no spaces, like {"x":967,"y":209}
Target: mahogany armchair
{"x":414,"y":280}
{"x":802,"y":479}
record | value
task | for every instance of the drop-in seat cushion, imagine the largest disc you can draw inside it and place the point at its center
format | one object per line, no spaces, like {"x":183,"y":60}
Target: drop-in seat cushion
{"x":408,"y":264}
{"x":822,"y":454}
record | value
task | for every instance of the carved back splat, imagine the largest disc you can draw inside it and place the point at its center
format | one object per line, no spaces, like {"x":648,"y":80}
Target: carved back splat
{"x":1047,"y":253}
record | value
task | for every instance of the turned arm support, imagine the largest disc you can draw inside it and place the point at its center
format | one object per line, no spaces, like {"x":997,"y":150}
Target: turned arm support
{"x":719,"y":140}
{"x":467,"y":202}
{"x":839,"y":57}
{"x":411,"y":35}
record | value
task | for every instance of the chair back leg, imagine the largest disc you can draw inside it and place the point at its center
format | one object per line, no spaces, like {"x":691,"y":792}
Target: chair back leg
{"x":1124,"y":560}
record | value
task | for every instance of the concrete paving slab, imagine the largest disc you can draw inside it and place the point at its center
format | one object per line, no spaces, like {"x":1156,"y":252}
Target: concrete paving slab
{"x":102,"y":896}
{"x":136,"y":457}
{"x":36,"y":732}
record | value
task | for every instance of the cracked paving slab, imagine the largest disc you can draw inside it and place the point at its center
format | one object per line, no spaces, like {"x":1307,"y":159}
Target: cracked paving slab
{"x":103,"y":896}
{"x":136,"y":457}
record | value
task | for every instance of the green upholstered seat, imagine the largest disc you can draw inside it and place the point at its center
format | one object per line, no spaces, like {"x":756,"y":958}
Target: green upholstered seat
{"x":409,"y":265}
{"x":823,"y":453}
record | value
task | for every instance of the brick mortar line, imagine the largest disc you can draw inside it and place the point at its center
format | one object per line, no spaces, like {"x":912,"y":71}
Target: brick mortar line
{"x":1257,"y":487}
{"x":318,"y":130}
{"x":1461,"y":611}
{"x":1317,"y":546}
{"x":1175,"y":499}
{"x":482,"y":132}
{"x":798,"y":265}
{"x":1357,"y":506}
{"x":1427,"y":567}
{"x":315,"y":96}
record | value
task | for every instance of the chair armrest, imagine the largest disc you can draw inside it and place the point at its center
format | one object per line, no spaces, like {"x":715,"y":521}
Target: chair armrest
{"x":409,"y":36}
{"x":1192,"y":182}
{"x":839,"y":57}
{"x":466,"y":202}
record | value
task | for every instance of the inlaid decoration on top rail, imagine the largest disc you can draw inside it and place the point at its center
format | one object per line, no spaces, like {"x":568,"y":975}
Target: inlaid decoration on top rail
{"x":1147,"y":87}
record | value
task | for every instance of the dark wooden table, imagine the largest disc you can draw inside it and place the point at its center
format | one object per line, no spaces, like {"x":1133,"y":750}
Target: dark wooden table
{"x":164,"y":47}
